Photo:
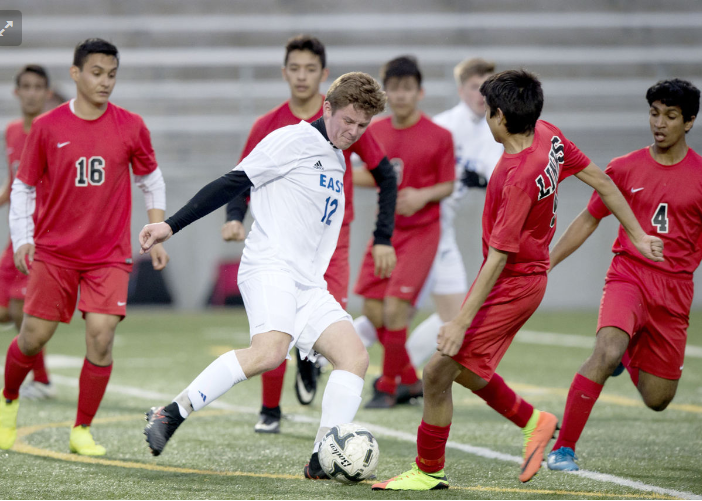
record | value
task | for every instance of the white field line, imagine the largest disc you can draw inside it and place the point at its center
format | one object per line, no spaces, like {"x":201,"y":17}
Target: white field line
{"x":383,"y":431}
{"x":576,"y":341}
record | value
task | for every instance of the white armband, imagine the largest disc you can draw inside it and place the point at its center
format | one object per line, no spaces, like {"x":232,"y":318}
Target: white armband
{"x":154,"y":188}
{"x":22,"y":204}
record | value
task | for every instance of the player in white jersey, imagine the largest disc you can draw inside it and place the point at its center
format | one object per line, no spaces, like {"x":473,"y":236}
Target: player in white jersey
{"x":476,"y":153}
{"x":297,"y":201}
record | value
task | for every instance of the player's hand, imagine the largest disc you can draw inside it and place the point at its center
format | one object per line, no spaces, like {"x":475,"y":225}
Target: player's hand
{"x":159,"y":257}
{"x":233,"y":231}
{"x":409,"y":201}
{"x":651,"y":248}
{"x":384,"y":259}
{"x":450,"y":338}
{"x":24,"y":253}
{"x":154,"y":233}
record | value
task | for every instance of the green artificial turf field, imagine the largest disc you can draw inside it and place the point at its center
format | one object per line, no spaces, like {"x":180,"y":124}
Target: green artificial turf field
{"x":627,"y":450}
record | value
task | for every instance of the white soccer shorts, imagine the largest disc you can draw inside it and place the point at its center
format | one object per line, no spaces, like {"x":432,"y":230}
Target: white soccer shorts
{"x":447,"y":275}
{"x":277,"y":302}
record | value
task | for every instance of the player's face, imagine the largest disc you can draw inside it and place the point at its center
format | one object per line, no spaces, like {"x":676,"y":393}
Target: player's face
{"x":304,"y":74}
{"x":667,"y":124}
{"x":404,"y":93}
{"x":96,"y":81}
{"x":470,"y":93}
{"x":346,"y":125}
{"x":32,"y":92}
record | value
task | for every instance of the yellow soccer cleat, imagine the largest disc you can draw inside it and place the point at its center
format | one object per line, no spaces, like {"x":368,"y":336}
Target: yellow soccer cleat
{"x":414,"y":480}
{"x":8,"y":422}
{"x":81,"y":442}
{"x":537,"y":434}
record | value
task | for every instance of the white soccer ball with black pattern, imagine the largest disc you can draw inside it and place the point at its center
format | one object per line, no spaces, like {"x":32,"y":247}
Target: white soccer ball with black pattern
{"x":349,"y":453}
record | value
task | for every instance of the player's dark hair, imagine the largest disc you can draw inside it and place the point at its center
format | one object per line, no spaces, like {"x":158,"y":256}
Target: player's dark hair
{"x":403,"y":66}
{"x":518,"y":94}
{"x":93,"y":46}
{"x":676,"y":92}
{"x":309,"y":43}
{"x":32,"y":68}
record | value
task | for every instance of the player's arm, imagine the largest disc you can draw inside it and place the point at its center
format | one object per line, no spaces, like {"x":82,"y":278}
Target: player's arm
{"x":233,"y":229}
{"x":383,"y":253}
{"x":649,"y":246}
{"x":363,"y":178}
{"x":22,"y":205}
{"x":411,"y":200}
{"x":5,"y":192}
{"x":210,"y":198}
{"x":153,"y":186}
{"x":575,"y":235}
{"x":452,"y":333}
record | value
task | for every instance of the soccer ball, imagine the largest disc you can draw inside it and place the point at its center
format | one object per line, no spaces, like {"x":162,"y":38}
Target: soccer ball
{"x":349,"y":453}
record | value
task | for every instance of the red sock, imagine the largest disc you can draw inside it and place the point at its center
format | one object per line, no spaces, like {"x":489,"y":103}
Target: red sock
{"x":502,"y":398}
{"x":408,"y":375}
{"x":633,"y":371}
{"x":380,"y":333}
{"x":17,"y":366}
{"x":431,"y":447}
{"x":91,"y":388}
{"x":272,"y":385}
{"x":394,"y":359}
{"x":39,"y":369}
{"x":582,"y":396}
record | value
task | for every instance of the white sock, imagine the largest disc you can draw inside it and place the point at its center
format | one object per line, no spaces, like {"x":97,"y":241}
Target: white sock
{"x":341,"y":400}
{"x":215,"y":380}
{"x":185,"y":406}
{"x":422,"y":341}
{"x":366,"y":330}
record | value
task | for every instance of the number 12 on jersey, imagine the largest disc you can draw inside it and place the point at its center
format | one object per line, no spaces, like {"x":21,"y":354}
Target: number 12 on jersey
{"x":330,"y":208}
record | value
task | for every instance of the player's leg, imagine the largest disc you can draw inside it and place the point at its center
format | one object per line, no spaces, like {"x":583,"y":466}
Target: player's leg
{"x":271,"y":306}
{"x":271,"y":391}
{"x":657,"y":392}
{"x":623,"y":312}
{"x":21,"y":357}
{"x":610,"y":345}
{"x":447,"y":284}
{"x":51,"y":298}
{"x":369,"y":326}
{"x":427,"y":472}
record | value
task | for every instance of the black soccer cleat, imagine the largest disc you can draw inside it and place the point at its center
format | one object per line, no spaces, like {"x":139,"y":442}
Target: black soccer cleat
{"x":313,"y":470}
{"x":162,"y":424}
{"x":306,"y":380}
{"x":269,"y":420}
{"x":408,"y":393}
{"x":381,"y":400}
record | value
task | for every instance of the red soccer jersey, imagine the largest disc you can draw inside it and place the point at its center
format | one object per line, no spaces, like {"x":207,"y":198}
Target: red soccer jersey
{"x":667,"y":202}
{"x":366,"y":147}
{"x":522,"y":197}
{"x":81,"y":171}
{"x":15,"y":136}
{"x":422,"y":156}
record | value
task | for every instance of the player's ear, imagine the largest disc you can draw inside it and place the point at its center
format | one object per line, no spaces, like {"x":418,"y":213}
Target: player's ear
{"x":325,"y":74}
{"x":689,"y":124}
{"x":74,"y":72}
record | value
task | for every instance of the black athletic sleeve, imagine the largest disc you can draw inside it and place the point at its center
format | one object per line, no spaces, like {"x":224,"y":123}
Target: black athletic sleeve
{"x":210,"y":198}
{"x":384,"y":176}
{"x":237,"y":207}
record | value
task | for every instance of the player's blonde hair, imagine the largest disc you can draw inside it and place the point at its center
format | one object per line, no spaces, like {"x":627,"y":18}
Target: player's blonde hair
{"x":471,"y":67}
{"x":359,"y":89}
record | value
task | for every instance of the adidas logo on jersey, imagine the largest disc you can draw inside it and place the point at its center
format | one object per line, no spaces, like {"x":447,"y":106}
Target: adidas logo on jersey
{"x":318,"y":165}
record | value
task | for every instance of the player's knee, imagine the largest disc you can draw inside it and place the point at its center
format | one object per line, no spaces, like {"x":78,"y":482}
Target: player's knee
{"x":31,"y":340}
{"x":270,"y":359}
{"x":436,"y":382}
{"x":607,"y":357}
{"x":4,"y":315}
{"x":657,"y":403}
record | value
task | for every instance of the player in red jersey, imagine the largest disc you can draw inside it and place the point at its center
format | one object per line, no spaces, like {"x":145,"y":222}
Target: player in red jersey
{"x":422,"y":155}
{"x":304,"y":70}
{"x":519,"y":220}
{"x":75,"y":166}
{"x":32,"y":89}
{"x":645,"y":307}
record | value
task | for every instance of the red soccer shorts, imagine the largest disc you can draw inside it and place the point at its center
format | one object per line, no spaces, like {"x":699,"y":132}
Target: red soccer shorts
{"x":338,"y":272}
{"x":509,"y":305}
{"x":654,"y":309}
{"x":13,"y":283}
{"x":415,"y":249}
{"x":53,"y":291}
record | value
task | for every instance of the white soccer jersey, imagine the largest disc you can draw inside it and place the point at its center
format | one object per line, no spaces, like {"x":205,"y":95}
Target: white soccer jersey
{"x":475,"y":149}
{"x":297,"y":202}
